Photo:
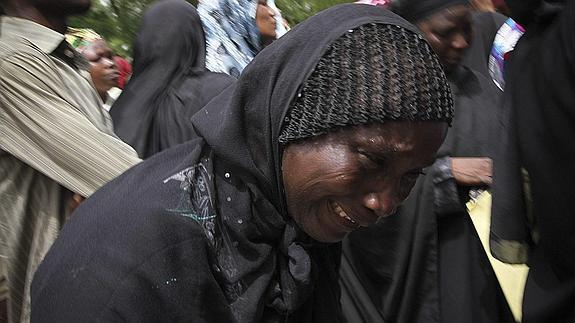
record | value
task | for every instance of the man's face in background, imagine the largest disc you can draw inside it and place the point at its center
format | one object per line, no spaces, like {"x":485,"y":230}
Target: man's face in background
{"x":62,"y":7}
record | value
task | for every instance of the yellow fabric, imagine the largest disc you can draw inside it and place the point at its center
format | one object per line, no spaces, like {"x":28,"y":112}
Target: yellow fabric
{"x":79,"y":38}
{"x":511,"y":277}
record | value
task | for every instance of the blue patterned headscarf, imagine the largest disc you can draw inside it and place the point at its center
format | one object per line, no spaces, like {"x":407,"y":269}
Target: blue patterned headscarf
{"x":232,"y":36}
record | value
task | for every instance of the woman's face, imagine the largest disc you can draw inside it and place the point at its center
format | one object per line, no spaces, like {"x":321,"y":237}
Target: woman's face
{"x":449,"y":33}
{"x":346,"y":179}
{"x":103,"y":70}
{"x":266,"y":22}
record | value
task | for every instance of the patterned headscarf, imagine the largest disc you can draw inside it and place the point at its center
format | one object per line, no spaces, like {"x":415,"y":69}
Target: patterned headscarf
{"x":232,"y":36}
{"x":80,"y":38}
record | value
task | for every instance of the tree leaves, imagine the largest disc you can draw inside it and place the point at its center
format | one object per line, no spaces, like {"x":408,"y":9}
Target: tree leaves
{"x":118,"y":20}
{"x":296,"y":11}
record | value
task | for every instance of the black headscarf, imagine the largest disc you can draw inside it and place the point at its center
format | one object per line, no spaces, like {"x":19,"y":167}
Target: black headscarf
{"x":426,"y":263}
{"x":417,"y":10}
{"x":170,"y":82}
{"x":244,"y":137}
{"x":217,"y":200}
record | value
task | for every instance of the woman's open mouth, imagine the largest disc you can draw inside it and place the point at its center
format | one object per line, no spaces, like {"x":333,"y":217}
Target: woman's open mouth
{"x":348,"y":221}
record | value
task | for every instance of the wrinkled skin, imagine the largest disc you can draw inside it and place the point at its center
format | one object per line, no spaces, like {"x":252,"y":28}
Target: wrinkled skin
{"x":349,"y":178}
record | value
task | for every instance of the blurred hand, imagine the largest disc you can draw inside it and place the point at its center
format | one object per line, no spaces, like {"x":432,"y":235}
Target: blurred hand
{"x":74,"y":202}
{"x":476,"y":171}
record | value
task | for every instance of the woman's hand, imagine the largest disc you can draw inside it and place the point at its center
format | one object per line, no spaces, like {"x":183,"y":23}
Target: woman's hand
{"x":74,"y":202}
{"x":475,"y":171}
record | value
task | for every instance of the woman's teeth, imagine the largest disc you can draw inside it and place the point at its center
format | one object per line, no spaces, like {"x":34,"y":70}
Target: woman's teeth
{"x":342,"y":213}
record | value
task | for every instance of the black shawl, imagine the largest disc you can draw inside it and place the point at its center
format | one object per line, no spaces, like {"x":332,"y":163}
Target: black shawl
{"x":416,"y":10}
{"x":485,"y":28}
{"x":532,"y":216}
{"x":170,"y":82}
{"x":201,"y":232}
{"x":526,"y":12}
{"x":426,"y":263}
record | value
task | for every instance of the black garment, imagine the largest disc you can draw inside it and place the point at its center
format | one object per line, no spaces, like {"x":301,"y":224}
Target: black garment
{"x":426,"y":263}
{"x":485,"y":28}
{"x":417,"y":10}
{"x":201,"y":232}
{"x":526,"y":12}
{"x":537,"y":136}
{"x":170,"y":82}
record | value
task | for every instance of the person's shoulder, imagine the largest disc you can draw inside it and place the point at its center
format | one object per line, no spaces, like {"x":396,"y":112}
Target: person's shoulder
{"x":137,"y":269}
{"x":487,"y":18}
{"x":223,"y":79}
{"x":19,"y":54}
{"x":11,"y":45}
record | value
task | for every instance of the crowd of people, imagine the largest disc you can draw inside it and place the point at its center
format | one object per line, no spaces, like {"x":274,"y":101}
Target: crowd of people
{"x":238,"y":170}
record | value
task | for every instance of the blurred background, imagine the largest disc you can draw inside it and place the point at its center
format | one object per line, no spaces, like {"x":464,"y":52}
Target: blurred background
{"x":117,"y":21}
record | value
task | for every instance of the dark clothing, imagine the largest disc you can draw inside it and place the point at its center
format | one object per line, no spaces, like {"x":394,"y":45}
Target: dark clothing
{"x":485,"y":28}
{"x":426,"y":263}
{"x":170,"y":82}
{"x":527,"y":12}
{"x":417,"y":10}
{"x":537,"y":137}
{"x":201,"y":232}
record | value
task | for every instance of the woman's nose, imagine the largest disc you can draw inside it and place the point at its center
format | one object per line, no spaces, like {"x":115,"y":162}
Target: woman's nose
{"x":459,"y":41}
{"x":108,"y":63}
{"x":382,"y":203}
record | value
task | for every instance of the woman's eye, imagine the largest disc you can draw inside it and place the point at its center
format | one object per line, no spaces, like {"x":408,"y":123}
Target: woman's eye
{"x":377,"y":161}
{"x":442,"y":34}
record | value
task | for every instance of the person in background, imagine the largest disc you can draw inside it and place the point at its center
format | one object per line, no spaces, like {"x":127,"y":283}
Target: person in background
{"x":103,"y":70}
{"x":104,"y":73}
{"x":236,"y":30}
{"x":485,"y":24}
{"x":56,"y":139}
{"x":533,"y":217}
{"x":170,"y":81}
{"x":426,"y":263}
{"x":483,"y":5}
{"x":501,"y":7}
{"x":243,"y":223}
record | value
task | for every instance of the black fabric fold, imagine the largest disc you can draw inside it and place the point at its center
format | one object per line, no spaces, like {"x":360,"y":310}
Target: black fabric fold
{"x":170,"y":82}
{"x":417,"y":10}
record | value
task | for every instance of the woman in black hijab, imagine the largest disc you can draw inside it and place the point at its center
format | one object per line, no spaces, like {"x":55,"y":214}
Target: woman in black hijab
{"x":325,"y":131}
{"x":170,"y":82}
{"x":426,"y":263}
{"x":533,"y":218}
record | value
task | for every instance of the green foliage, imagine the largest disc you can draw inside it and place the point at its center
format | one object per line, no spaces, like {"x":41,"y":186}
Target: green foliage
{"x":118,"y":20}
{"x":115,"y":20}
{"x":296,"y":11}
